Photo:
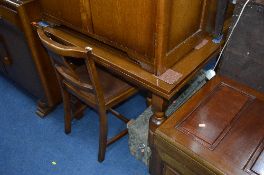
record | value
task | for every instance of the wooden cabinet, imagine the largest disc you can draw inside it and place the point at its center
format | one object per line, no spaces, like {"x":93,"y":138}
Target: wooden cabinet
{"x":156,"y":34}
{"x":218,"y":131}
{"x":22,"y":58}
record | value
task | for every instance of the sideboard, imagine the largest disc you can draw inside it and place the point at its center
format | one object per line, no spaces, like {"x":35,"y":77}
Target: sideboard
{"x":22,"y":58}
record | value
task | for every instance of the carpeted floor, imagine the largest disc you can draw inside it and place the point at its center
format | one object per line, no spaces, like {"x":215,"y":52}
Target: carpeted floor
{"x":33,"y":146}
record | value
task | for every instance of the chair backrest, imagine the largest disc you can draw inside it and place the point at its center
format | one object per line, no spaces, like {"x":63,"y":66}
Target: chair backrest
{"x":62,"y":53}
{"x":243,"y":59}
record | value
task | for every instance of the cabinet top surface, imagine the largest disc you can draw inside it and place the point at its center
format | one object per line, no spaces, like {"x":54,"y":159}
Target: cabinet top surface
{"x":221,"y":127}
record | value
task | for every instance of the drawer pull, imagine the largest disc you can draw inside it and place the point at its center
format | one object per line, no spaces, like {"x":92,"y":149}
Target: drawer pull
{"x":7,"y":61}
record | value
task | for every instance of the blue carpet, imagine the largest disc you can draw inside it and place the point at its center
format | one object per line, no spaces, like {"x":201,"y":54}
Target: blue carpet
{"x":29,"y":144}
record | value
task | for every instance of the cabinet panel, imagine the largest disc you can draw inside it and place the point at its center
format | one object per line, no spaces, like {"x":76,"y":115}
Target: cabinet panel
{"x":185,"y":20}
{"x":22,"y":68}
{"x":189,"y":23}
{"x":3,"y":54}
{"x":69,"y":12}
{"x":129,"y":23}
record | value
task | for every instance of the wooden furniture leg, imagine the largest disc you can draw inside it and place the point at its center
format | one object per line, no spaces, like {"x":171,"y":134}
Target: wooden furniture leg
{"x":159,"y":105}
{"x":149,"y":99}
{"x":67,"y":110}
{"x":43,"y":108}
{"x":103,"y":135}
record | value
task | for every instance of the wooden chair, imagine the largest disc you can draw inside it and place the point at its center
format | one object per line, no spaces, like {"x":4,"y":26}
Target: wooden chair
{"x":92,"y":85}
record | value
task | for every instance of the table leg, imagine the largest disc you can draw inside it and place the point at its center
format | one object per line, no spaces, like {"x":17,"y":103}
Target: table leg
{"x":159,"y":105}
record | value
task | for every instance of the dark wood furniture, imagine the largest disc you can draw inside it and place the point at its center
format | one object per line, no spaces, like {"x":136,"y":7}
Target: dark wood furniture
{"x":94,"y":86}
{"x":155,"y":34}
{"x":220,"y":130}
{"x":22,"y":58}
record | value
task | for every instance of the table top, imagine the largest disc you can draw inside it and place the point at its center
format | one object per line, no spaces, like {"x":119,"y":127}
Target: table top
{"x":119,"y":62}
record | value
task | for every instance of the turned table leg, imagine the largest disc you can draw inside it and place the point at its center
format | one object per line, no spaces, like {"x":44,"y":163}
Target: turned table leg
{"x":159,"y":106}
{"x":149,"y":99}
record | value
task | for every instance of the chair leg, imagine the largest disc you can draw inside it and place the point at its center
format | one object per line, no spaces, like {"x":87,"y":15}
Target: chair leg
{"x":103,"y":136}
{"x":67,"y":110}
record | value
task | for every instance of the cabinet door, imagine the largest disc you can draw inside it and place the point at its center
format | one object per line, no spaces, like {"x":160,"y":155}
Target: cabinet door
{"x":21,"y":68}
{"x":3,"y":55}
{"x":189,"y":23}
{"x":72,"y":13}
{"x":129,"y":24}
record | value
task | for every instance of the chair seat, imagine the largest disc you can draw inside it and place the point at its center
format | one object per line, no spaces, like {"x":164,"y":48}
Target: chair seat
{"x":112,"y":87}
